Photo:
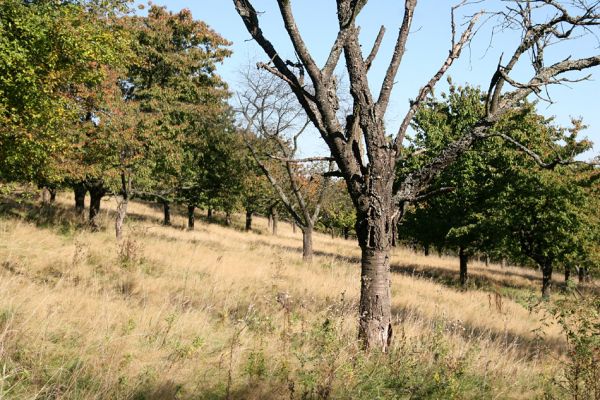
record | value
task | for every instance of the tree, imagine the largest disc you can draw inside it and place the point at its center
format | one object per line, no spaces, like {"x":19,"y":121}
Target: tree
{"x":174,"y":81}
{"x":53,"y":58}
{"x":370,"y":181}
{"x":270,"y":114}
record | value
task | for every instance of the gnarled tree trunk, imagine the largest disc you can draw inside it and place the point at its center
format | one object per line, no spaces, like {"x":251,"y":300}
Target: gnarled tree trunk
{"x":374,"y":231}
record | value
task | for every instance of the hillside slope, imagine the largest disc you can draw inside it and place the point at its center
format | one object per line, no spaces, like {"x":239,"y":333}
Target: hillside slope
{"x":222,"y":313}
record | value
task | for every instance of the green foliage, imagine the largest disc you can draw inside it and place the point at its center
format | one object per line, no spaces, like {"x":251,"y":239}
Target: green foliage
{"x":53,"y":57}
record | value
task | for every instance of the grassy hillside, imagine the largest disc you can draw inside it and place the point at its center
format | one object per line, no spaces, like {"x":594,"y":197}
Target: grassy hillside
{"x":221,"y":313}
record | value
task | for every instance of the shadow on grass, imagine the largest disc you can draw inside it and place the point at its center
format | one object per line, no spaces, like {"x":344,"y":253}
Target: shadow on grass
{"x":529,"y":347}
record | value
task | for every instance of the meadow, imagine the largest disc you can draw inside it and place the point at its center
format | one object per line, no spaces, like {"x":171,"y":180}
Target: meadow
{"x":222,"y":313}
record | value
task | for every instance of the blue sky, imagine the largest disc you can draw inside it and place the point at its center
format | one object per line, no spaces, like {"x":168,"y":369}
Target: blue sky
{"x":427,"y":48}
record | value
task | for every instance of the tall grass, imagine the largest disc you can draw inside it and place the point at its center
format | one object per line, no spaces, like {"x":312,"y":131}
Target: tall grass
{"x":222,"y":313}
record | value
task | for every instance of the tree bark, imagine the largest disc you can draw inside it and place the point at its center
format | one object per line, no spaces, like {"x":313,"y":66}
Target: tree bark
{"x":346,"y":233}
{"x":209,"y":214}
{"x":375,"y":324}
{"x":191,"y":217}
{"x":97,"y":192}
{"x":166,"y":213}
{"x":274,"y":220}
{"x":307,"y":244}
{"x":79,"y":190}
{"x":546,"y":279}
{"x":248,"y":220}
{"x":463,"y":259}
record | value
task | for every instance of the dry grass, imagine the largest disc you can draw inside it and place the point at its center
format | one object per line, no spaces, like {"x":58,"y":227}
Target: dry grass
{"x":219,"y":312}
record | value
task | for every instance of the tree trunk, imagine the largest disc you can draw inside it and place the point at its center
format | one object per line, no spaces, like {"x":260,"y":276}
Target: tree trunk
{"x":583,"y":275}
{"x":45,"y":196}
{"x":121,"y":213}
{"x":293,"y":227}
{"x":52,"y":191}
{"x":394,"y":233}
{"x":463,"y":259}
{"x":79,"y":190}
{"x":122,"y":202}
{"x":546,"y":279}
{"x":209,"y":214}
{"x":274,"y":220}
{"x":567,"y":273}
{"x":248,"y":220}
{"x":487,"y":260}
{"x":332,"y":233}
{"x":97,"y":191}
{"x":167,"y":213}
{"x":307,"y":244}
{"x":228,"y":218}
{"x":191,"y":218}
{"x":374,"y":231}
{"x":426,"y":249}
{"x":375,"y":323}
{"x":270,"y":220}
{"x":346,"y":233}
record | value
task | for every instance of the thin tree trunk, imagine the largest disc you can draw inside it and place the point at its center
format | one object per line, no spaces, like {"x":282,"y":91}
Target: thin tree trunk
{"x":394,"y":233}
{"x":191,"y":216}
{"x":122,"y":202}
{"x":248,"y":219}
{"x":426,"y":249}
{"x":274,"y":220}
{"x":567,"y":273}
{"x":228,"y":218}
{"x":121,"y":213}
{"x":209,"y":214}
{"x":97,"y":191}
{"x":546,"y":279}
{"x":166,"y":213}
{"x":45,"y":196}
{"x":307,"y":244}
{"x":270,"y":219}
{"x":332,"y":233}
{"x":52,"y":191}
{"x":293,"y":227}
{"x":463,"y":259}
{"x":79,"y":190}
{"x":346,"y":233}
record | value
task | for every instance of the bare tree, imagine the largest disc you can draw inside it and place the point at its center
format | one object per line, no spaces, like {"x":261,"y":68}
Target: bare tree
{"x":271,"y":113}
{"x":378,"y":199}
